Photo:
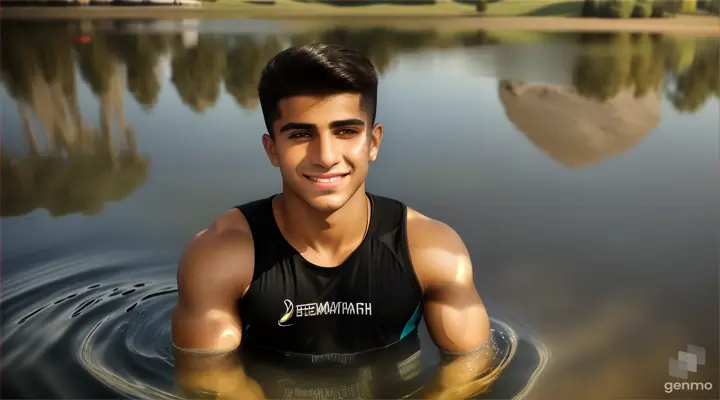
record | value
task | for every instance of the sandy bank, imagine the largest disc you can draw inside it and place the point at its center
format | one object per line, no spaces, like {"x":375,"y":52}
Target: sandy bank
{"x":685,"y":25}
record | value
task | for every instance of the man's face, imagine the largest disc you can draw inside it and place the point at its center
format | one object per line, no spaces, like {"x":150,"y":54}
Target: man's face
{"x":323,"y":146}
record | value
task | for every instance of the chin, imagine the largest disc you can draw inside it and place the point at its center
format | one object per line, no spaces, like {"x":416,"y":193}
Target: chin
{"x":327,"y":203}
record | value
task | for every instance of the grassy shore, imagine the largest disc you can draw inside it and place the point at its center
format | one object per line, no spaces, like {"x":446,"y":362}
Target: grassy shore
{"x":541,"y":15}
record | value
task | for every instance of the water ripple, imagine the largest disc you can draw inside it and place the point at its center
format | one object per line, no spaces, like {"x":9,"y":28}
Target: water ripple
{"x":104,"y":314}
{"x":104,"y":319}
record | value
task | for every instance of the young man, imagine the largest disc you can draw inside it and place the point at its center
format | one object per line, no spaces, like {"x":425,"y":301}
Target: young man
{"x":325,"y":272}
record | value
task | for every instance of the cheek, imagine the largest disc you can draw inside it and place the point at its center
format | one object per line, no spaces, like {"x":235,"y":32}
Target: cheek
{"x":290,"y":158}
{"x":358,"y":151}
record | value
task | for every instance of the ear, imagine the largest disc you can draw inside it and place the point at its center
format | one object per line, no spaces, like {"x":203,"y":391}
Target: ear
{"x":375,"y":138}
{"x":269,"y":145}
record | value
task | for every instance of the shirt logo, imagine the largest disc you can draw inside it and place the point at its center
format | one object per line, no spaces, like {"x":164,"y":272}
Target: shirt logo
{"x":289,"y":309}
{"x":325,"y":308}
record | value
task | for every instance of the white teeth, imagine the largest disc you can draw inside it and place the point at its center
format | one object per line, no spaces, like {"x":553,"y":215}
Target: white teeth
{"x":325,"y":180}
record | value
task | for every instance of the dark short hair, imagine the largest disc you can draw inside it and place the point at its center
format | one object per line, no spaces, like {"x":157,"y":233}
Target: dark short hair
{"x":317,"y":70}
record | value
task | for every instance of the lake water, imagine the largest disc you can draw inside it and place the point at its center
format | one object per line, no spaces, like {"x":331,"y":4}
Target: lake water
{"x":581,"y":170}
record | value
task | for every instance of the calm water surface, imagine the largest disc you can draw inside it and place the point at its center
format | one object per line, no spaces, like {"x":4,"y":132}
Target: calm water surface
{"x":581,"y":170}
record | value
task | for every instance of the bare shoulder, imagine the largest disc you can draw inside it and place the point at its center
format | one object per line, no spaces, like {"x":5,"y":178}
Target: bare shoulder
{"x":437,"y":251}
{"x":428,"y":234}
{"x":214,"y":272}
{"x":219,"y":257}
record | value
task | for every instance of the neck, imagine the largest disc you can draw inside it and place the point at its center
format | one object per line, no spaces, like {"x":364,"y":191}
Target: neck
{"x":323,"y":231}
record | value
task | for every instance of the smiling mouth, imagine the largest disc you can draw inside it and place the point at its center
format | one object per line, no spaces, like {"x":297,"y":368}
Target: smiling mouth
{"x":326,"y":180}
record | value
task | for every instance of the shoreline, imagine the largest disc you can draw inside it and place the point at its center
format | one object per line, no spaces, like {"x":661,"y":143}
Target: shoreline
{"x":696,"y":25}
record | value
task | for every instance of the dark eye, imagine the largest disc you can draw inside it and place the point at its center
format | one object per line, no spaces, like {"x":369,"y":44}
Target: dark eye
{"x":347,"y":131}
{"x":299,"y":135}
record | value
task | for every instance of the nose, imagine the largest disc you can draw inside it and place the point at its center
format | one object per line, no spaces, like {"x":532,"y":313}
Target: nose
{"x":325,"y":150}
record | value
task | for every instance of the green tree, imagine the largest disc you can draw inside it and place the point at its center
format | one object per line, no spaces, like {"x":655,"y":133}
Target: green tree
{"x":642,"y":9}
{"x":619,"y":8}
{"x":590,"y":8}
{"x":688,"y":6}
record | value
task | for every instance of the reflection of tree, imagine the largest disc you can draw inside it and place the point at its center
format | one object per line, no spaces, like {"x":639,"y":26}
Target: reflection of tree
{"x":55,"y":61}
{"x":381,"y":45}
{"x":38,"y":70}
{"x":646,"y":68}
{"x":77,"y":168}
{"x":80,"y":182}
{"x":615,"y":97}
{"x":245,"y":62}
{"x":96,"y":63}
{"x":696,"y":84}
{"x":141,"y":54}
{"x":611,"y":63}
{"x":601,"y":74}
{"x":248,"y":56}
{"x":197,"y":73}
{"x":679,"y":54}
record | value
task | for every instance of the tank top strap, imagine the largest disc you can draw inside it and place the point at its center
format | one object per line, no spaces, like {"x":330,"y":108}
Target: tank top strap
{"x":268,"y":243}
{"x":389,"y":226}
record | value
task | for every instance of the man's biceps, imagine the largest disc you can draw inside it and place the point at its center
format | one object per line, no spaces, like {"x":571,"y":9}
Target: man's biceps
{"x":454,"y":294}
{"x":213,"y":329}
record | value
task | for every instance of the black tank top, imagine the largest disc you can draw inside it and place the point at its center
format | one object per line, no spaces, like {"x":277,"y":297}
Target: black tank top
{"x":342,"y":314}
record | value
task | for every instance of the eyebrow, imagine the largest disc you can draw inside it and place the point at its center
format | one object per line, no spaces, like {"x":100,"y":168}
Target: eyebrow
{"x":333,"y":125}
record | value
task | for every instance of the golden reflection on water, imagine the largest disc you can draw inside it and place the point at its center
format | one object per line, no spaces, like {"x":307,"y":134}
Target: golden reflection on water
{"x":224,"y":375}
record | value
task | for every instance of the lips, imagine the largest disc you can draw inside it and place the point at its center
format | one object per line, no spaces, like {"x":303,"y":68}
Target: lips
{"x":326,"y":178}
{"x":326,"y":181}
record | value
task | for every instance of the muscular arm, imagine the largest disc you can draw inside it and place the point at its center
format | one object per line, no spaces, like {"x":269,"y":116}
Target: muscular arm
{"x":454,"y":313}
{"x":214,"y":272}
{"x":210,"y":281}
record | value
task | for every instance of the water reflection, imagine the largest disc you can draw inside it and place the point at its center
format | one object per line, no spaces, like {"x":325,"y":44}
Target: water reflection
{"x":611,"y":102}
{"x":392,"y":373}
{"x":581,"y":287}
{"x":576,"y":130}
{"x":246,"y":59}
{"x":77,"y":167}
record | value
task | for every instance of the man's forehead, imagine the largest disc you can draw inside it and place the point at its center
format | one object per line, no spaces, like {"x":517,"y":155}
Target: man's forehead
{"x":345,"y":105}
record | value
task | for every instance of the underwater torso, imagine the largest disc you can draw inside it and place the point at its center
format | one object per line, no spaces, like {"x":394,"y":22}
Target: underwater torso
{"x":396,"y":372}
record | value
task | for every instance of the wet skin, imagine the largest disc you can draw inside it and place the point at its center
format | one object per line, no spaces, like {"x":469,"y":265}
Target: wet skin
{"x":323,"y":147}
